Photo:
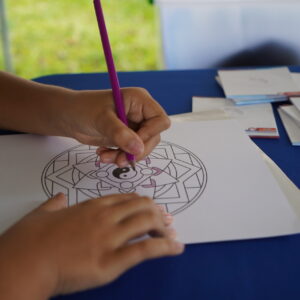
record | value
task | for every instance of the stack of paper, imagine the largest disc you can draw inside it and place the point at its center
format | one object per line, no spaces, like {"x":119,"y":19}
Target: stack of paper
{"x":290,"y":116}
{"x":249,"y":94}
{"x":257,"y":120}
{"x":258,"y":86}
{"x":296,"y":78}
{"x":296,"y":102}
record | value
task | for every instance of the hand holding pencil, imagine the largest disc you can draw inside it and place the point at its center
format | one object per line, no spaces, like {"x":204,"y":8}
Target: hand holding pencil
{"x":92,"y":120}
{"x":117,"y":95}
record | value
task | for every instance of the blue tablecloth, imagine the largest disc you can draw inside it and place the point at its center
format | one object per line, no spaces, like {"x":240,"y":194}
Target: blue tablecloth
{"x":174,"y":91}
{"x":252,"y":269}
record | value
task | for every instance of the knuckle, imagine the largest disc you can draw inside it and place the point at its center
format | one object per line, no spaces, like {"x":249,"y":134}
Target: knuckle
{"x":109,"y":242}
{"x":147,"y":203}
{"x":98,"y":212}
{"x":166,"y":246}
{"x":106,"y":214}
{"x":140,"y":91}
{"x":157,"y":140}
{"x":144,"y":249}
{"x":146,"y":221}
{"x":154,"y":248}
{"x":88,"y":204}
{"x":152,"y":218}
{"x":166,"y":122}
{"x":145,"y":134}
{"x":135,"y":92}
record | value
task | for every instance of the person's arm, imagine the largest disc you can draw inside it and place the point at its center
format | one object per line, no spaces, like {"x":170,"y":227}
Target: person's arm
{"x":32,"y":107}
{"x":57,"y":250}
{"x":88,"y":116}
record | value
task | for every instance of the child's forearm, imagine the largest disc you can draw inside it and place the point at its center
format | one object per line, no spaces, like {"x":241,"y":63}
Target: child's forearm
{"x":23,"y":274}
{"x":31,"y":107}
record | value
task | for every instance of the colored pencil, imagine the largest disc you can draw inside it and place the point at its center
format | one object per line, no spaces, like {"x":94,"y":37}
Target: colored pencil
{"x":118,"y":98}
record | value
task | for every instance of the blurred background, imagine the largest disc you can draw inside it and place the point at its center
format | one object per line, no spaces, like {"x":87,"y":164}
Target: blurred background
{"x":61,"y":36}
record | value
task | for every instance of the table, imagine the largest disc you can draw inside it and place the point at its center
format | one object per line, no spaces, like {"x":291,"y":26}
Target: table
{"x":252,"y":269}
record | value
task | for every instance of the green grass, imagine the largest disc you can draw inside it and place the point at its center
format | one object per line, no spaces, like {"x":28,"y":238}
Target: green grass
{"x":61,"y":36}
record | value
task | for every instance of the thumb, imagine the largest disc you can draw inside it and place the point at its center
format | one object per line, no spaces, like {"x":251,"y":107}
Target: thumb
{"x":58,"y":202}
{"x":124,"y":137}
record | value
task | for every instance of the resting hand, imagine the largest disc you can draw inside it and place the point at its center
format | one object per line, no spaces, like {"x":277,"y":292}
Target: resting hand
{"x":56,"y":250}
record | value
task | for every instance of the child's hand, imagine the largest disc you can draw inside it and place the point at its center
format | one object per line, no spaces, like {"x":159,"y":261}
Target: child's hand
{"x":88,"y":116}
{"x":91,"y":119}
{"x":57,"y":250}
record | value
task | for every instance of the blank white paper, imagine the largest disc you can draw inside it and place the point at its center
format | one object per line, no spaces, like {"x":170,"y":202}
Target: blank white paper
{"x":292,"y":128}
{"x":257,"y":120}
{"x":296,"y":102}
{"x":296,"y":78}
{"x":269,"y":81}
{"x":293,"y":112}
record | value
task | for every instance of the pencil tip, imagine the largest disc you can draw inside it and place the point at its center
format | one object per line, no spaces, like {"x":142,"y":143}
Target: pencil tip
{"x":132,"y":164}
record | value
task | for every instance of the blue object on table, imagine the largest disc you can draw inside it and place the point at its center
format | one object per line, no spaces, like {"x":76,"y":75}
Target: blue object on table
{"x":257,"y":269}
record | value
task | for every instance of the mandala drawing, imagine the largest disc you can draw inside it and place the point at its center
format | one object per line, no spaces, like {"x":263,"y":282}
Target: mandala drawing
{"x":173,"y":176}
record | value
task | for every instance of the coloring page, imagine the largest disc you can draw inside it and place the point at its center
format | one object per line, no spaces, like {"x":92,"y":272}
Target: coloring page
{"x":207,"y":174}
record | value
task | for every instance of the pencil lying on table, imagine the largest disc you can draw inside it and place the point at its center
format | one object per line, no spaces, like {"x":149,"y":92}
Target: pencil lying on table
{"x":118,"y":98}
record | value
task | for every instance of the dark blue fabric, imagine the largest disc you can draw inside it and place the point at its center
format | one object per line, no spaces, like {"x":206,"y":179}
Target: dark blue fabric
{"x":242,"y":270}
{"x":174,"y":91}
{"x":253,"y":269}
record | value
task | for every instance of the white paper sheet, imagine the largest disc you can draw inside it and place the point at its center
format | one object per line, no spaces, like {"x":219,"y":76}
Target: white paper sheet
{"x":208,"y":174}
{"x":293,"y":112}
{"x":290,"y":190}
{"x":257,"y":120}
{"x":291,"y":127}
{"x":296,"y":78}
{"x":268,"y":81}
{"x":296,"y":102}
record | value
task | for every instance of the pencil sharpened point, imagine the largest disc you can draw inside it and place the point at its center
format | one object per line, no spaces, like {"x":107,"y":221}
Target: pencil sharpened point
{"x":132,"y":164}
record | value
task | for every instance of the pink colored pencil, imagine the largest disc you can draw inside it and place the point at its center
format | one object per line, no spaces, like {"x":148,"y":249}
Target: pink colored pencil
{"x":118,"y":98}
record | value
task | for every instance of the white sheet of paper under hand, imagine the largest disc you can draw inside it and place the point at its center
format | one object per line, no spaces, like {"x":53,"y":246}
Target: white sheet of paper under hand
{"x":207,"y":174}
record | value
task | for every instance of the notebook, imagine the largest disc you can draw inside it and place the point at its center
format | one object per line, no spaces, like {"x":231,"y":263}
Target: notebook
{"x":258,"y":85}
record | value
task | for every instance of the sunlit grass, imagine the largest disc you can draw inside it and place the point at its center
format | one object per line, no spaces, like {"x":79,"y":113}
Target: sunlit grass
{"x":61,"y":36}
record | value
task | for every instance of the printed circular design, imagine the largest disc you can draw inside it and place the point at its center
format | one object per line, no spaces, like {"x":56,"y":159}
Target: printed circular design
{"x":172,"y":175}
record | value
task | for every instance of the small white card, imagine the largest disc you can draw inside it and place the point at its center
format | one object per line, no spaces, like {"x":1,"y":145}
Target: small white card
{"x":257,"y":120}
{"x":291,"y":127}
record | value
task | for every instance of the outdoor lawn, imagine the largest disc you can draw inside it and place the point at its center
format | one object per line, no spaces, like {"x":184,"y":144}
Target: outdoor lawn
{"x":61,"y":36}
